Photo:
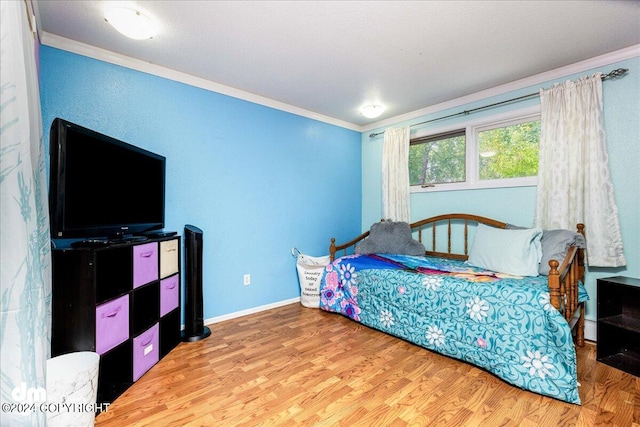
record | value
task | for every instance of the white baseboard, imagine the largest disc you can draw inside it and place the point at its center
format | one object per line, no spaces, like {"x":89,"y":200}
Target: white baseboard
{"x":590,"y":330}
{"x":249,"y":311}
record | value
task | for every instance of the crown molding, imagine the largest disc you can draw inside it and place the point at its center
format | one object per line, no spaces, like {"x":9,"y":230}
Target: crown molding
{"x":595,"y":62}
{"x":83,"y":49}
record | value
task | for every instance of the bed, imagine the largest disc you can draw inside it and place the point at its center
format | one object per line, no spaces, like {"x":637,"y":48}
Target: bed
{"x":518,"y":327}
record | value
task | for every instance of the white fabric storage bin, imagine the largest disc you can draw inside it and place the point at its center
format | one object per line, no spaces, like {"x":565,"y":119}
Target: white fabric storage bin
{"x":168,"y":258}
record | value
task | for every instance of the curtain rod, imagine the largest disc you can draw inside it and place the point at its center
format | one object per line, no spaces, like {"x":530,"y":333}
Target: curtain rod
{"x":615,"y":73}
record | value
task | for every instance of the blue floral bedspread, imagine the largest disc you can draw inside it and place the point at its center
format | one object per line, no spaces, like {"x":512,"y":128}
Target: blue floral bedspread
{"x":501,"y":323}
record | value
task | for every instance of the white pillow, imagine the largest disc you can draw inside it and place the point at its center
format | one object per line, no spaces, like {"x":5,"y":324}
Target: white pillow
{"x":516,"y":252}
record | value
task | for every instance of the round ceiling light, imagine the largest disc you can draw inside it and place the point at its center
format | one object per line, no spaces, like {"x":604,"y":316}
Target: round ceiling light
{"x":130,"y":22}
{"x":372,"y":111}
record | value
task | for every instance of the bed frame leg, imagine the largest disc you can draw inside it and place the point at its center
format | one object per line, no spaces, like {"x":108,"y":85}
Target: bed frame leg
{"x":580,"y":331}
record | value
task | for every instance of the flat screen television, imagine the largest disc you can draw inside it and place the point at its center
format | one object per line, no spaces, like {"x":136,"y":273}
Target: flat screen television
{"x":100,"y":187}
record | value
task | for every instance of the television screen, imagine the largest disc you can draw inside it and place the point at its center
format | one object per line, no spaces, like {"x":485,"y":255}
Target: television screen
{"x":102,"y":187}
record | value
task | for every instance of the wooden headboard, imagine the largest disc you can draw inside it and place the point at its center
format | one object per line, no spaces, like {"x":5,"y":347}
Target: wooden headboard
{"x":429,"y":233}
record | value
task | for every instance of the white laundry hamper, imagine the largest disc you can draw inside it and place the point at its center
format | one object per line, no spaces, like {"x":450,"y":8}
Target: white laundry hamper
{"x":72,"y":389}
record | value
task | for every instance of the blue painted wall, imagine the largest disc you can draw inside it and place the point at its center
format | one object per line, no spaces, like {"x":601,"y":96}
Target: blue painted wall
{"x":517,"y":205}
{"x":253,"y":178}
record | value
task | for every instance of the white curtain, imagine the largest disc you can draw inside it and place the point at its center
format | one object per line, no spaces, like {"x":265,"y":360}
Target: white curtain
{"x":25,"y":276}
{"x":574,"y":184}
{"x":395,"y":175}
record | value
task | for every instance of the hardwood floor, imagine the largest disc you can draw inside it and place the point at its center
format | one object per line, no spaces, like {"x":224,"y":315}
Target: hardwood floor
{"x":299,"y":366}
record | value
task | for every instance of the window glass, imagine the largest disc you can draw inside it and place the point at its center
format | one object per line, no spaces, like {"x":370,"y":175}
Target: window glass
{"x":438,"y":159}
{"x":509,"y":151}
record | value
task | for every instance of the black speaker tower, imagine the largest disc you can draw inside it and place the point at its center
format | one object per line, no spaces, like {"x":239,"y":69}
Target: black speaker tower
{"x":194,"y":329}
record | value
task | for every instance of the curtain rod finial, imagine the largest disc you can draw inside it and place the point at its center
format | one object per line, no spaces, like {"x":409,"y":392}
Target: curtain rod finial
{"x":616,"y":73}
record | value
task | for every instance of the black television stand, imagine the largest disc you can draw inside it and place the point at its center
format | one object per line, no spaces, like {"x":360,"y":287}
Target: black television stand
{"x":104,"y":242}
{"x":121,"y":301}
{"x":90,"y":243}
{"x":129,"y":239}
{"x":156,"y":234}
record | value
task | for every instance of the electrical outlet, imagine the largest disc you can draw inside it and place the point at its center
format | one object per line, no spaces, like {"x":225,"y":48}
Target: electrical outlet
{"x":247,"y":279}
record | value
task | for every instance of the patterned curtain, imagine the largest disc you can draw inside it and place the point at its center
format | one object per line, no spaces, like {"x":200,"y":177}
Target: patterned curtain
{"x":25,"y":276}
{"x":395,"y":175}
{"x":574,"y":184}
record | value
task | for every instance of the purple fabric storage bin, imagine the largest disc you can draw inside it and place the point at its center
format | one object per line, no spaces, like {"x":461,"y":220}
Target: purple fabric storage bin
{"x":112,"y":324}
{"x":145,"y":264}
{"x":146,"y":351}
{"x":169,"y":294}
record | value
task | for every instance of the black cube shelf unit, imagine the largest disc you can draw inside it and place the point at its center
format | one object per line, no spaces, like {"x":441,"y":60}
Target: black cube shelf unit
{"x":619,"y":323}
{"x":122,"y":301}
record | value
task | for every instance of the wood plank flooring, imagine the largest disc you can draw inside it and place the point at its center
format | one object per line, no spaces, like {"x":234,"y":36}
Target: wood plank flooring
{"x":295,"y":366}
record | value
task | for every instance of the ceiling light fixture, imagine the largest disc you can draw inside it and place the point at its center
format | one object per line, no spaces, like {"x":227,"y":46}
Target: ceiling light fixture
{"x":130,"y":22}
{"x":372,"y":111}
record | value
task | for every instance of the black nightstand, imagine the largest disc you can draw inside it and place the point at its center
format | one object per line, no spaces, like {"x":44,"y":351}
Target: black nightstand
{"x":619,"y":323}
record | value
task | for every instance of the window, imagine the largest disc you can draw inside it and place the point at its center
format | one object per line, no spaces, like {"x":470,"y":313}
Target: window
{"x":500,"y":151}
{"x":438,"y":158}
{"x":509,"y":151}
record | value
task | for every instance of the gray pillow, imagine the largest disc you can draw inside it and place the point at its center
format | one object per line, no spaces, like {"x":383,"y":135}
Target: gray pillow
{"x":555,"y":244}
{"x":390,"y":237}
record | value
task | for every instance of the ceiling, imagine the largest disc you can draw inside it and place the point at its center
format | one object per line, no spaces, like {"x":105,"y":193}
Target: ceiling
{"x":331,"y":57}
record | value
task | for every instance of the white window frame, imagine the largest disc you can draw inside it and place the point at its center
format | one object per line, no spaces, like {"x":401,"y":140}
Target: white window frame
{"x":472,"y":128}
